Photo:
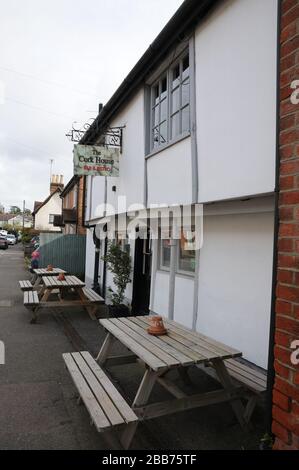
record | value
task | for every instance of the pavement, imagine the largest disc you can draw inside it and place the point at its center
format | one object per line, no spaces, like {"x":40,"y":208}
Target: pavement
{"x":38,"y":408}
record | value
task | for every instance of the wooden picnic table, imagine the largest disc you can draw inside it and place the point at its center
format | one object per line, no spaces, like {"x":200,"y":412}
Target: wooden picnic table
{"x":41,"y":272}
{"x":179,"y":349}
{"x":85,"y":297}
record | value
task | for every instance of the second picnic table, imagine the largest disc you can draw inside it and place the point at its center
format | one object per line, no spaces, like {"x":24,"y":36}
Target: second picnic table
{"x":52,"y":283}
{"x":41,"y":272}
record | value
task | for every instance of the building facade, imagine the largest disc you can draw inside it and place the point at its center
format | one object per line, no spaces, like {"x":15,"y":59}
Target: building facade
{"x":44,"y":212}
{"x":199,"y":118}
{"x":71,"y":220}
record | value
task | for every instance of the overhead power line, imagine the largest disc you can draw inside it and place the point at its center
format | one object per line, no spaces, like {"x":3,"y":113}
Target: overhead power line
{"x":38,"y":108}
{"x":33,"y":148}
{"x":48,"y":82}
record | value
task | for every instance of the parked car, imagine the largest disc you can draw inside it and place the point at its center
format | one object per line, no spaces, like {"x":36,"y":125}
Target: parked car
{"x":35,"y":241}
{"x":11,"y":239}
{"x":3,"y":243}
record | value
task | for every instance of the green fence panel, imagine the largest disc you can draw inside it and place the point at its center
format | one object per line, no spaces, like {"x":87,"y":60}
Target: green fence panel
{"x":63,"y":251}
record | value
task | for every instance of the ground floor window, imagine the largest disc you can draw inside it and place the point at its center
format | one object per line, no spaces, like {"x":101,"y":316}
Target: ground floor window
{"x":165,"y":254}
{"x":185,"y":254}
{"x":186,"y":258}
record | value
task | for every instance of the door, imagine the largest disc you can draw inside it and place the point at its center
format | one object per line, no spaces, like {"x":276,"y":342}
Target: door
{"x":142,"y":276}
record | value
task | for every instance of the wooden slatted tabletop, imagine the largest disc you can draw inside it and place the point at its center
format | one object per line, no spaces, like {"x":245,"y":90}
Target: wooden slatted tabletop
{"x":52,"y":282}
{"x":179,"y":347}
{"x":45,"y":272}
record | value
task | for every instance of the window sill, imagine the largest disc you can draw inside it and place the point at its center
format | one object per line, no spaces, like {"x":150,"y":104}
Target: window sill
{"x":184,"y":275}
{"x":169,"y":144}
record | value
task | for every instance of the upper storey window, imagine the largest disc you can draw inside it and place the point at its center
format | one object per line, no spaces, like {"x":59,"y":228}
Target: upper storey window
{"x":170,"y":103}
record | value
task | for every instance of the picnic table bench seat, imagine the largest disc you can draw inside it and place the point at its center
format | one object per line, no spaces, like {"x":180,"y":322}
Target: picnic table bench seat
{"x":31,"y":299}
{"x":25,"y":285}
{"x":253,"y":380}
{"x":92,"y":295}
{"x":106,"y":406}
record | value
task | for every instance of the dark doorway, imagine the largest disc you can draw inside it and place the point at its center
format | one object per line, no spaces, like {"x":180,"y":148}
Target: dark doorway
{"x":142,"y":277}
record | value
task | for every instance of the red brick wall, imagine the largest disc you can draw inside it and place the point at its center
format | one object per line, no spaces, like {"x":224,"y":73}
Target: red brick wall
{"x":286,"y":389}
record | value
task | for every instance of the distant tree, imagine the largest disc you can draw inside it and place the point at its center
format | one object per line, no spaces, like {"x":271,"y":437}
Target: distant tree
{"x":2,"y":209}
{"x":14,"y":210}
{"x":27,"y":212}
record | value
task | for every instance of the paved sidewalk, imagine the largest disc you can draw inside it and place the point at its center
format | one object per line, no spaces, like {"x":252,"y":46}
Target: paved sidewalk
{"x":38,"y":407}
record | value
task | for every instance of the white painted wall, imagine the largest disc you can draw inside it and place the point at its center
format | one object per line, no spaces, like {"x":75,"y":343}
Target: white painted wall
{"x":170,"y":176}
{"x":130,"y":183}
{"x":235,"y":280}
{"x":53,"y":206}
{"x":235,"y":98}
{"x":90,"y":255}
{"x":131,"y":168}
{"x":160,"y":303}
{"x":183,"y":300}
{"x":96,"y":198}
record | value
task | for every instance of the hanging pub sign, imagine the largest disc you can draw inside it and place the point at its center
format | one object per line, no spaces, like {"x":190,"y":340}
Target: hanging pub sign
{"x":96,"y":160}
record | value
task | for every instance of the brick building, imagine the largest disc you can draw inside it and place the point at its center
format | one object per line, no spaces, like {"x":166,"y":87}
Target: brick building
{"x":285,"y":411}
{"x":71,"y":219}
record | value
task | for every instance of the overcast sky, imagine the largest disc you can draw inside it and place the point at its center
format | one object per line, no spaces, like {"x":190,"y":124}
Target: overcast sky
{"x":58,"y":61}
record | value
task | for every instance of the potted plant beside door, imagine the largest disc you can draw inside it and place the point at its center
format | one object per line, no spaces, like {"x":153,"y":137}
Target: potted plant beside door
{"x":119,"y":264}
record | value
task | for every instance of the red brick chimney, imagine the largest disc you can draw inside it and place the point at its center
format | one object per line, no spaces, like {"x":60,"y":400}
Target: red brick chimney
{"x":56,"y":182}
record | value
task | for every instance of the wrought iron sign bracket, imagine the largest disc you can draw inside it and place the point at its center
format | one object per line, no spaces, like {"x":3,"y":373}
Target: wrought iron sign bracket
{"x":110,"y":137}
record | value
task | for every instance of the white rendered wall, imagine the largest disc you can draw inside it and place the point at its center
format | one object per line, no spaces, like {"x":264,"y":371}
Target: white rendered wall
{"x":90,"y":255}
{"x":183,"y":300}
{"x":235,"y":278}
{"x":236,"y":99}
{"x":235,"y":281}
{"x":53,"y":206}
{"x":160,"y":304}
{"x":130,"y":183}
{"x":96,"y":198}
{"x":170,"y":176}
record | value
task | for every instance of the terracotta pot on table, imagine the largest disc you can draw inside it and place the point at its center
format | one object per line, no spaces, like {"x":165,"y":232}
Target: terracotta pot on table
{"x":156,"y":327}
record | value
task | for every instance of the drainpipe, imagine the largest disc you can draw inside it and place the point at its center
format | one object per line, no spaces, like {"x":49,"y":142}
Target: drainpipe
{"x":77,"y":204}
{"x":97,"y":244}
{"x":271,"y":371}
{"x":154,"y":272}
{"x":195,"y":291}
{"x":194,"y":154}
{"x":84,"y":203}
{"x":103,"y":291}
{"x":173,"y":256}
